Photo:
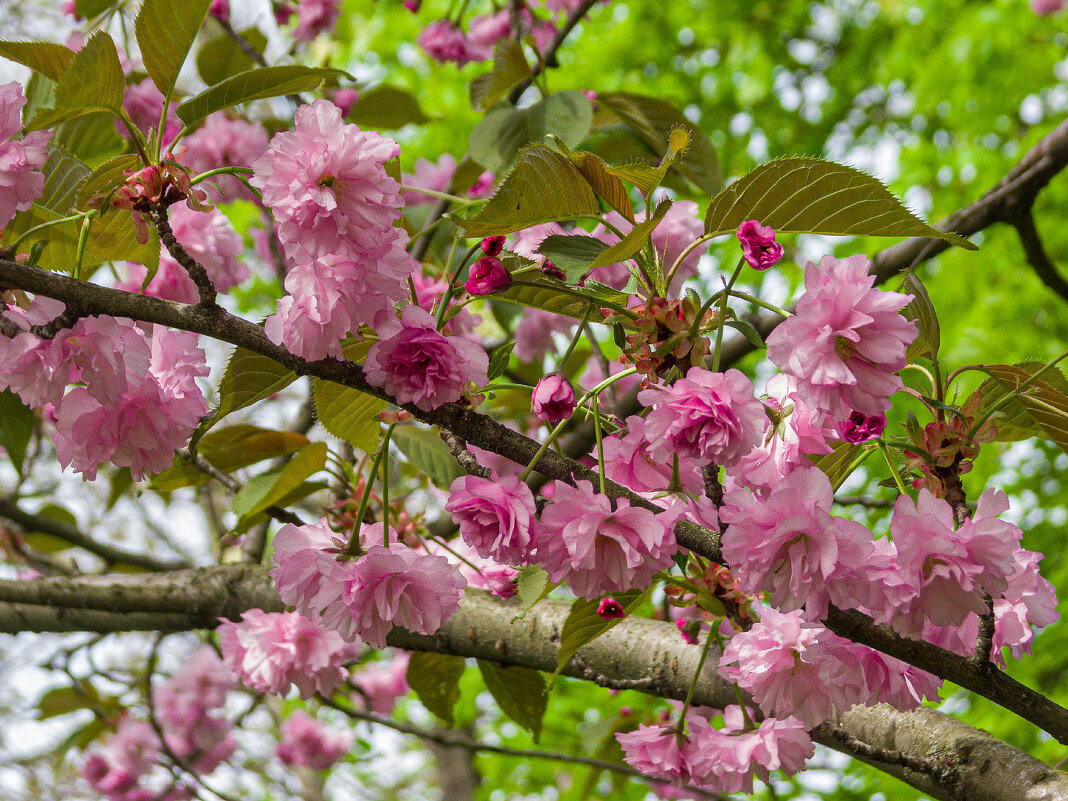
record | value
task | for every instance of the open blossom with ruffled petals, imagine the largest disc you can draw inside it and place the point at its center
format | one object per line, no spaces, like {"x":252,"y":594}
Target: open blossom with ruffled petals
{"x":156,"y":411}
{"x":315,"y":17}
{"x":302,"y":556}
{"x":789,"y":545}
{"x":709,"y":416}
{"x":269,"y":651}
{"x":792,"y":432}
{"x":553,"y":399}
{"x":598,"y":550}
{"x":415,"y":363}
{"x":444,"y":41}
{"x":846,"y":341}
{"x":325,"y":183}
{"x":1029,"y":600}
{"x":495,"y":516}
{"x":35,"y":369}
{"x":778,"y":661}
{"x":759,"y":248}
{"x":627,"y":462}
{"x":487,"y":275}
{"x":392,"y":586}
{"x":223,"y":142}
{"x":21,"y":160}
{"x":949,"y":569}
{"x":728,"y":759}
{"x":381,"y":683}
{"x":656,"y":751}
{"x":307,"y":743}
{"x":871,"y":677}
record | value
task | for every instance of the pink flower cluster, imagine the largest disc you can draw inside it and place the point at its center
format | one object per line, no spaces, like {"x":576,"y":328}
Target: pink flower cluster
{"x":21,"y":160}
{"x":206,"y":236}
{"x":307,"y":743}
{"x":599,"y":550}
{"x":315,"y":17}
{"x":846,"y":341}
{"x":137,"y":400}
{"x":117,"y":769}
{"x":711,"y":417}
{"x":365,"y":597}
{"x":335,"y":207}
{"x":495,"y":516}
{"x":271,"y":651}
{"x":721,"y":760}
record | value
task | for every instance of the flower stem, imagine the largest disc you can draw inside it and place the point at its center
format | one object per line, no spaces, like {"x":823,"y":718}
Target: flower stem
{"x":696,"y":676}
{"x":893,"y":470}
{"x":353,"y":547}
{"x":723,"y":313}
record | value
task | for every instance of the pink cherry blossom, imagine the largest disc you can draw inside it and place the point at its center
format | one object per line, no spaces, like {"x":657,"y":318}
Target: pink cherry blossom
{"x":325,"y":183}
{"x":144,"y":103}
{"x":444,"y":41}
{"x":130,"y":753}
{"x":429,"y":175}
{"x":480,"y":572}
{"x":488,"y":30}
{"x":35,"y":369}
{"x":21,"y":160}
{"x":628,"y":462}
{"x":759,"y":248}
{"x":788,"y":544}
{"x":610,"y":609}
{"x":303,"y":555}
{"x":223,"y":142}
{"x":487,"y":275}
{"x":495,"y":516}
{"x":415,"y":363}
{"x":307,"y":743}
{"x":271,"y":651}
{"x":728,"y":759}
{"x":1029,"y":600}
{"x":656,"y":751}
{"x":381,"y":684}
{"x":859,"y":428}
{"x":553,"y":399}
{"x":846,"y":340}
{"x":429,"y":290}
{"x":708,"y":416}
{"x":598,"y":550}
{"x":872,"y":677}
{"x":534,"y":334}
{"x":1046,"y":7}
{"x":315,"y":17}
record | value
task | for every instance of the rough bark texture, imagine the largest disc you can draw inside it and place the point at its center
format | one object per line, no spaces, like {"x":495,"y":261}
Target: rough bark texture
{"x":640,"y":654}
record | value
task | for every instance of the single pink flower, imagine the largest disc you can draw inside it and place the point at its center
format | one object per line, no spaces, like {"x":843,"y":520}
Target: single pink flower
{"x":759,"y":248}
{"x":493,"y":245}
{"x":269,"y":652}
{"x":487,"y":275}
{"x":708,"y":416}
{"x":307,"y":743}
{"x":599,"y":550}
{"x":553,"y":399}
{"x":861,"y":428}
{"x":415,"y":363}
{"x":495,"y":516}
{"x":1046,"y":7}
{"x":21,"y":160}
{"x":846,"y":341}
{"x":656,"y":751}
{"x":220,"y":9}
{"x":444,"y":41}
{"x":609,"y":609}
{"x":381,"y":684}
{"x":315,"y":17}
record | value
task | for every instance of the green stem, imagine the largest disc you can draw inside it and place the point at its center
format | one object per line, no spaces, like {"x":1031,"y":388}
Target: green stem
{"x":42,"y":227}
{"x":435,"y":193}
{"x":517,"y":387}
{"x":221,"y":171}
{"x":893,"y":469}
{"x":761,"y":303}
{"x":723,"y":313}
{"x":697,"y":675}
{"x":682,"y":256}
{"x":600,"y":444}
{"x":578,"y":335}
{"x":353,"y":547}
{"x":385,"y":485}
{"x":446,"y":296}
{"x":857,"y":462}
{"x":83,"y":239}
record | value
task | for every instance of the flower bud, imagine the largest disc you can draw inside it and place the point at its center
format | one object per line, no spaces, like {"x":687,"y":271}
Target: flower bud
{"x":554,"y":398}
{"x":759,"y":247}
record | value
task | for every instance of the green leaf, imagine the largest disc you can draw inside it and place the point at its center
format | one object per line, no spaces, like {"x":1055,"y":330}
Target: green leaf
{"x":220,"y":58}
{"x":604,"y":181}
{"x":653,"y":120}
{"x":233,"y":447}
{"x":50,"y":59}
{"x":249,"y":378}
{"x":505,"y":130}
{"x":499,"y":360}
{"x":17,"y":422}
{"x":583,"y":624}
{"x":572,"y":253}
{"x":267,"y":489}
{"x":837,"y":463}
{"x":349,"y":414}
{"x":119,"y":481}
{"x":92,"y":8}
{"x":49,"y":543}
{"x":91,"y":137}
{"x":519,"y":691}
{"x":64,"y":175}
{"x":179,"y":475}
{"x":747,"y":331}
{"x":165,"y":33}
{"x":436,"y":680}
{"x":509,"y":68}
{"x":61,"y":240}
{"x":1045,"y":399}
{"x":922,"y":311}
{"x":64,"y":700}
{"x":424,"y":449}
{"x":252,"y":85}
{"x":532,"y":584}
{"x":634,"y":240}
{"x":813,"y":196}
{"x":94,"y":79}
{"x":543,"y":186}
{"x":386,"y":107}
{"x":555,"y":298}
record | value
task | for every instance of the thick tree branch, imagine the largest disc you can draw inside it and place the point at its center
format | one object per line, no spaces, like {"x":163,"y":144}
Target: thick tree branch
{"x":983,"y":767}
{"x":1036,"y":254}
{"x":109,"y":553}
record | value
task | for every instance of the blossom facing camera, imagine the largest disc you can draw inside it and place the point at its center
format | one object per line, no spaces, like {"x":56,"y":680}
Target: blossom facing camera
{"x":861,"y":428}
{"x":609,"y":609}
{"x":487,"y":276}
{"x":759,"y":248}
{"x":553,"y":398}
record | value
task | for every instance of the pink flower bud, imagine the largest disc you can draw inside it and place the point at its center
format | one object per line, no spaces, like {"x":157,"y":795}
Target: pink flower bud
{"x":344,"y":98}
{"x":412,"y":5}
{"x":552,"y":270}
{"x":1046,"y":7}
{"x":609,"y":609}
{"x":487,"y":276}
{"x":759,"y":247}
{"x":688,"y":629}
{"x":859,"y":428}
{"x":554,"y":398}
{"x":493,"y":245}
{"x":220,"y":9}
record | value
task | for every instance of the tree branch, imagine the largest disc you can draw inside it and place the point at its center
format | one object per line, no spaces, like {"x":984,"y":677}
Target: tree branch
{"x":1037,"y":257}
